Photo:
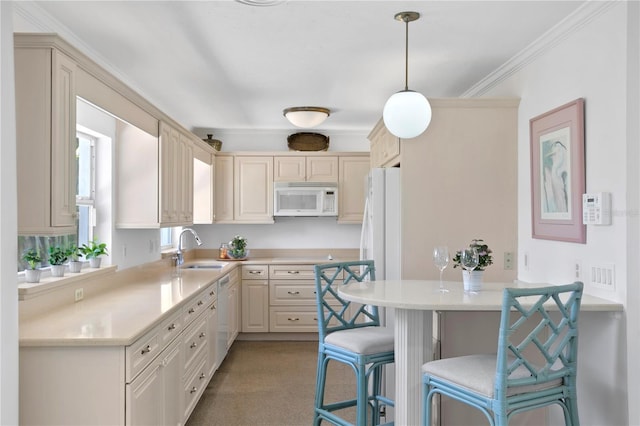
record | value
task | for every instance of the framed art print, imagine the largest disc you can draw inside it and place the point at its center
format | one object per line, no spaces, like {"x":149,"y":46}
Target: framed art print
{"x":558,"y":173}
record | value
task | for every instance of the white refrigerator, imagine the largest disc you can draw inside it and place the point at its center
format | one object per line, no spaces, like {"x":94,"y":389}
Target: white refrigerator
{"x":381,"y":241}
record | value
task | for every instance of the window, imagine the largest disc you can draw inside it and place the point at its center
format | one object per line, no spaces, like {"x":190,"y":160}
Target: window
{"x":166,"y":238}
{"x":85,"y":197}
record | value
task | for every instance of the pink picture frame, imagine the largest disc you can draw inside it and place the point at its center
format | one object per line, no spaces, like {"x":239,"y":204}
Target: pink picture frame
{"x":558,"y":173}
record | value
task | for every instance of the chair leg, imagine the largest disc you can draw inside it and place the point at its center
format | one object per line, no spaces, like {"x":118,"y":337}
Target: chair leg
{"x":321,"y":377}
{"x":571,"y":413}
{"x":362,"y":395}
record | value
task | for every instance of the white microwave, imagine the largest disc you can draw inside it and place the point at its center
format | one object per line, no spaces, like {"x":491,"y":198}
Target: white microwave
{"x":305,"y":199}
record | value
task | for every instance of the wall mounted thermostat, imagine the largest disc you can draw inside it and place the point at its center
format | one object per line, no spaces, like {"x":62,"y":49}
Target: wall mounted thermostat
{"x":596,"y":208}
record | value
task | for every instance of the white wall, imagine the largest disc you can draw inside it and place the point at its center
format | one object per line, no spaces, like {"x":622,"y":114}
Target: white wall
{"x":590,"y":61}
{"x":8,"y":226}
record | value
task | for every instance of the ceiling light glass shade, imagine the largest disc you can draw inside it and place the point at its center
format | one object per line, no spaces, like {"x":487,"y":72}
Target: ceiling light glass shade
{"x":407,"y":114}
{"x":306,"y":117}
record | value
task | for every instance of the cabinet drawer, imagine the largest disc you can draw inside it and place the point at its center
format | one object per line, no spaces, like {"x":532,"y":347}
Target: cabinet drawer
{"x":195,"y":384}
{"x":291,"y":272}
{"x":283,"y":292}
{"x":195,"y":307}
{"x":255,"y":272}
{"x":170,"y":329}
{"x":299,"y":319}
{"x":141,"y":353}
{"x":195,"y":341}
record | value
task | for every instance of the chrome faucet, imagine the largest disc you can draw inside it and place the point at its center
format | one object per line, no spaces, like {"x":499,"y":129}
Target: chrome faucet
{"x":179,"y":255}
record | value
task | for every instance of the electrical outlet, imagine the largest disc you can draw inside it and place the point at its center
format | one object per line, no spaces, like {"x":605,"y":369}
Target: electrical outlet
{"x":79,"y":294}
{"x":577,"y":270}
{"x":508,"y":260}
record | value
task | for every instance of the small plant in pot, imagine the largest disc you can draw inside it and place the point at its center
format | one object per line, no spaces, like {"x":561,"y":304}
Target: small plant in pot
{"x":32,"y":257}
{"x":238,"y":248}
{"x":93,"y":250}
{"x":75,"y":264}
{"x":57,"y":256}
{"x":473,"y":260}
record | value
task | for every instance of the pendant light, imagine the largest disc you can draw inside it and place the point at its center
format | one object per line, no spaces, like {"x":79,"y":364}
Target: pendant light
{"x":407,"y":113}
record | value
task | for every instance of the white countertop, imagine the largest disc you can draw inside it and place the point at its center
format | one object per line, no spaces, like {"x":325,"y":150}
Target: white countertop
{"x":424,"y":295}
{"x":136,"y":300}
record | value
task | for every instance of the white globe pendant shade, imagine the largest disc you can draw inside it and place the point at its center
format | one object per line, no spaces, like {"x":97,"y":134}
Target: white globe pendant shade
{"x":407,"y":114}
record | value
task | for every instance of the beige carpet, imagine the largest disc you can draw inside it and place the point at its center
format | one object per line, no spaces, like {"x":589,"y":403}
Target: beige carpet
{"x":269,"y":383}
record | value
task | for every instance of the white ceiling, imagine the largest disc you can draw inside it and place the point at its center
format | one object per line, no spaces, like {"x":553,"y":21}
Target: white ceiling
{"x":225,"y":65}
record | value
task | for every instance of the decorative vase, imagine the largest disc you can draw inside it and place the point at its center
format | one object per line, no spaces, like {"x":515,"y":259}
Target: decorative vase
{"x":472,"y":280}
{"x":75,"y":266}
{"x":32,"y":275}
{"x":58,"y":270}
{"x":94,"y":262}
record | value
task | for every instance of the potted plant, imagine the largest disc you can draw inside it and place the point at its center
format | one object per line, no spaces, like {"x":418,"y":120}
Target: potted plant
{"x":32,"y":257}
{"x":237,"y":248}
{"x":93,"y":250}
{"x":75,"y":264}
{"x":473,"y":259}
{"x":57,"y":256}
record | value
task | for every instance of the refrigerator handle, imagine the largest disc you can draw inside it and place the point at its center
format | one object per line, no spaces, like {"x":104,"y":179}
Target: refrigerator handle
{"x":365,"y":238}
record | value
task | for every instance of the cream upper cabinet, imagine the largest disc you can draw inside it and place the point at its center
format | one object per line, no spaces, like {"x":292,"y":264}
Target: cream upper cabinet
{"x":385,"y":147}
{"x":351,"y":189}
{"x":46,"y":142}
{"x":176,"y":177}
{"x":253,"y":189}
{"x":223,"y":194}
{"x":305,"y":168}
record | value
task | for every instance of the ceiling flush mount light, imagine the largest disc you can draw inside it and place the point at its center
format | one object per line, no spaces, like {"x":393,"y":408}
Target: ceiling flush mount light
{"x":407,"y":113}
{"x":261,"y":3}
{"x":306,"y":117}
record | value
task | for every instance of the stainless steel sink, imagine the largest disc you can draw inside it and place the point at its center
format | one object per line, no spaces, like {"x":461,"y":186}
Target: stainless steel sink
{"x":207,"y":266}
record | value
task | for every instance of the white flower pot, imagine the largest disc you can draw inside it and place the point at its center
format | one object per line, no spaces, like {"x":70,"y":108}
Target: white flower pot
{"x":75,"y":266}
{"x":58,"y":270}
{"x":32,"y":275}
{"x":472,"y":280}
{"x":94,"y":262}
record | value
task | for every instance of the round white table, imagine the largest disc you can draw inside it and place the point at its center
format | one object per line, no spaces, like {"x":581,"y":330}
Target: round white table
{"x":414,"y":302}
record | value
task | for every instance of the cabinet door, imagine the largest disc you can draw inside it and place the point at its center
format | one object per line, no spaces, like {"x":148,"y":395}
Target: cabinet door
{"x":255,"y":306}
{"x":253,"y":187}
{"x":322,"y":169}
{"x":184,"y":178}
{"x":63,"y":141}
{"x":223,"y":204}
{"x":169,"y":163}
{"x":172,"y":395}
{"x":352,"y":188}
{"x":234,"y":313}
{"x":289,"y":169}
{"x":143,"y":395}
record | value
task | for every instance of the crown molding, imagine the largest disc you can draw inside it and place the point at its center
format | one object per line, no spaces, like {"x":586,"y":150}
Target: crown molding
{"x":558,"y":33}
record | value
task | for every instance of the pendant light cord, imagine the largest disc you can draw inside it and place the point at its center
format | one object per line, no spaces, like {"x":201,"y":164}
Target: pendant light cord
{"x":406,"y":55}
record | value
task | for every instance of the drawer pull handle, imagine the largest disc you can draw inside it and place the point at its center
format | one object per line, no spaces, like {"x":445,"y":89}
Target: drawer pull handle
{"x":191,"y":310}
{"x":201,"y":335}
{"x":202,"y":376}
{"x":171,"y":327}
{"x":255,"y":272}
{"x":293,"y":292}
{"x":193,"y":390}
{"x":213,"y":307}
{"x":193,"y":345}
{"x":293,"y":272}
{"x":145,"y":350}
{"x":200,"y":302}
{"x":293,"y":319}
{"x":212,"y":293}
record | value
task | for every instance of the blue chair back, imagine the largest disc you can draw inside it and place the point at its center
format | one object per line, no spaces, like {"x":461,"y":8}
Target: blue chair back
{"x":335,"y":313}
{"x":538,"y":338}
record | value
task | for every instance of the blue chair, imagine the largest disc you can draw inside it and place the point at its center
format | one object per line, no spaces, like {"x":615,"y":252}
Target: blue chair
{"x":535,"y":365}
{"x":350,"y":334}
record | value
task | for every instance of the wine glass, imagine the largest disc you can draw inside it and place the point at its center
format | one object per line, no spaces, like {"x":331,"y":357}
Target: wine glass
{"x":469,"y":258}
{"x":441,"y":260}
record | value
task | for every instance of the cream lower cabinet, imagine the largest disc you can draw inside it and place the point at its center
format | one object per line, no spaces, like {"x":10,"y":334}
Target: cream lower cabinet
{"x":46,"y":139}
{"x":351,"y":191}
{"x":255,"y":298}
{"x":292,"y":300}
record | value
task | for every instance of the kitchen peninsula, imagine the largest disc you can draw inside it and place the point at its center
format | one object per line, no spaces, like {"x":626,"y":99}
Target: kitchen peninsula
{"x":144,"y":342}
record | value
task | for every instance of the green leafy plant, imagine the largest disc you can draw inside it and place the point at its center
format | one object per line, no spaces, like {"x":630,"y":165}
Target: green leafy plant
{"x":237,"y":247}
{"x":484,"y":255}
{"x":32,"y":257}
{"x":74,"y":253}
{"x":94,"y":249}
{"x":58,"y":255}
